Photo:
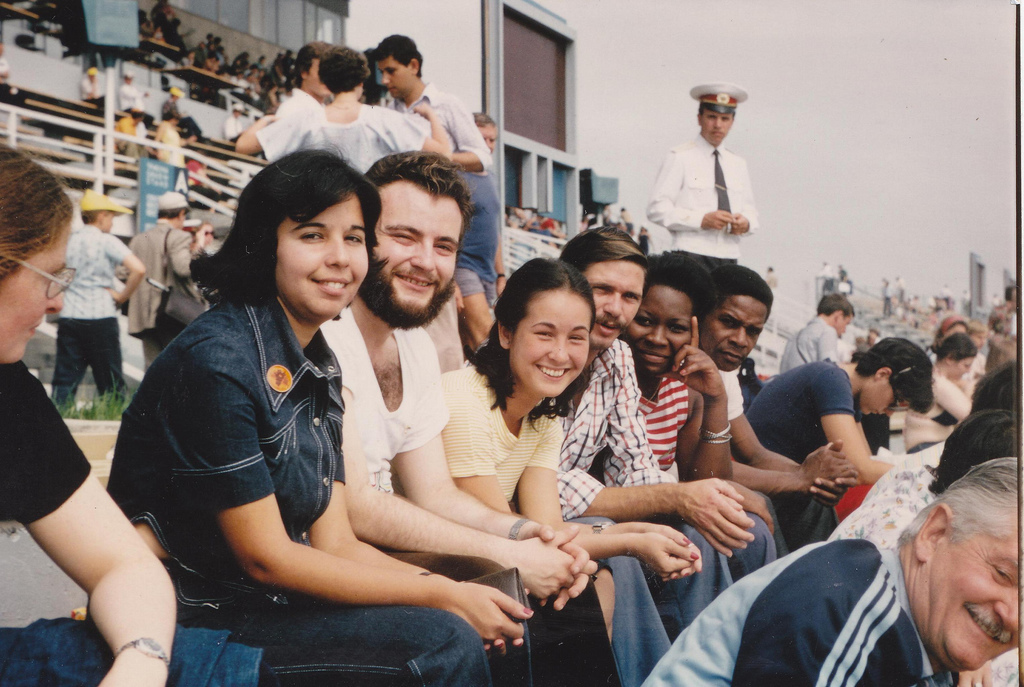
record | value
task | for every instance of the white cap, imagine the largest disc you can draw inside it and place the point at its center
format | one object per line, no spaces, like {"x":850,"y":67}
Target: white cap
{"x":172,"y":200}
{"x":721,"y":97}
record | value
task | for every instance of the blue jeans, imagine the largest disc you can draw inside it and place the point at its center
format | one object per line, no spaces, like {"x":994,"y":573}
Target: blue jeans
{"x":680,"y":601}
{"x":82,"y":344}
{"x":72,"y":652}
{"x":315,"y":644}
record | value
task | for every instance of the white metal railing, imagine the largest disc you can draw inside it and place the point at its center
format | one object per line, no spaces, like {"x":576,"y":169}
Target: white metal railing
{"x":521,"y":246}
{"x":101,"y":171}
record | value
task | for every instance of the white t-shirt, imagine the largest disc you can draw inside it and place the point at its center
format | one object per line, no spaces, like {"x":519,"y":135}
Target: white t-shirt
{"x":420,"y":417}
{"x":298,"y":102}
{"x":733,"y":393}
{"x":375,"y":133}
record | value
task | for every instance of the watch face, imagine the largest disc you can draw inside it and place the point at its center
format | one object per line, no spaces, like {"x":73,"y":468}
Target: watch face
{"x":150,"y":645}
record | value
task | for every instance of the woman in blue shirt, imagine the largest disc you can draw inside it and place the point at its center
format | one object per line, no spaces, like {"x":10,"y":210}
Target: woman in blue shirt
{"x":229,"y":458}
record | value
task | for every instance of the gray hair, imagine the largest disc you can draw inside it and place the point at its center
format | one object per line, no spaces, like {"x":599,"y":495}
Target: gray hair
{"x":983,"y":501}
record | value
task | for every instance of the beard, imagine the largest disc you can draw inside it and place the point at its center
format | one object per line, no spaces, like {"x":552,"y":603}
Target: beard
{"x":379,"y":296}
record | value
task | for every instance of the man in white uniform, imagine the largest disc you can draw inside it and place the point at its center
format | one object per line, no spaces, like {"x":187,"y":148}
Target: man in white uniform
{"x":702,"y":194}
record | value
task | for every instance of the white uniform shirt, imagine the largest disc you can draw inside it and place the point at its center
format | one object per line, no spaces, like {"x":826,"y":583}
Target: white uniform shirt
{"x":128,"y":97}
{"x":233,"y":127}
{"x":457,"y":121}
{"x":419,"y":418}
{"x":684,"y":192}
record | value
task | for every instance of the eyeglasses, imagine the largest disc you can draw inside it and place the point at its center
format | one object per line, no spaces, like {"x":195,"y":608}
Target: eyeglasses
{"x":59,"y":280}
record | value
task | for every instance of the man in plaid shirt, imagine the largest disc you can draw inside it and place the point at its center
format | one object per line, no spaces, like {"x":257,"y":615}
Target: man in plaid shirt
{"x":606,"y":436}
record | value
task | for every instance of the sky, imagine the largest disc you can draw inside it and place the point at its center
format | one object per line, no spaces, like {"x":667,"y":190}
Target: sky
{"x":880,"y":134}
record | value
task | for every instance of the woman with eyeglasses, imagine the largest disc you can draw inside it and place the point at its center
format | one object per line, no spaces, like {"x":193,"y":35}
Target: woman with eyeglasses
{"x":129,"y":637}
{"x":820,"y":403}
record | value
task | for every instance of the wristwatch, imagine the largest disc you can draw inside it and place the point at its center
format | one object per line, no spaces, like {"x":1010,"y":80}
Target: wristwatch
{"x":147,"y":647}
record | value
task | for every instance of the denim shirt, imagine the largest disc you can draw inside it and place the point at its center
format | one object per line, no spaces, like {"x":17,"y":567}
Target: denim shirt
{"x":232,"y":411}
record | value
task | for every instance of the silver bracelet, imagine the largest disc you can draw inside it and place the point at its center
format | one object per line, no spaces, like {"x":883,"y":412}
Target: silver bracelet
{"x":722,"y":440}
{"x":725,"y":433}
{"x":513,"y":533}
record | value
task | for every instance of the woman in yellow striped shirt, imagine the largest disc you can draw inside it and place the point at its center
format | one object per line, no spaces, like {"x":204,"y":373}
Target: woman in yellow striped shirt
{"x":504,"y":436}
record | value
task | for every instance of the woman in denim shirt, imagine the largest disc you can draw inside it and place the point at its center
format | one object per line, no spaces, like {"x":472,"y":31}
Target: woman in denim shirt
{"x":229,"y":458}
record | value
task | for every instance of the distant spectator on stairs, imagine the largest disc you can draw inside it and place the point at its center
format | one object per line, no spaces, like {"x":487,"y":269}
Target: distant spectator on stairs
{"x":819,"y":340}
{"x":91,"y":88}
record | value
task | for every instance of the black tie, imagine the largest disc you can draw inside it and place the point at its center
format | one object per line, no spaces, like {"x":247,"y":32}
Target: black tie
{"x":723,"y":192}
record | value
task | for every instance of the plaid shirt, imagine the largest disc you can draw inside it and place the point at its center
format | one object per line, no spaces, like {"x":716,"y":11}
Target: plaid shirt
{"x":608,"y":415}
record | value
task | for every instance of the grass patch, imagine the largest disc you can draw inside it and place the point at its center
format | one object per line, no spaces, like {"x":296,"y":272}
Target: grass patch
{"x":109,"y":406}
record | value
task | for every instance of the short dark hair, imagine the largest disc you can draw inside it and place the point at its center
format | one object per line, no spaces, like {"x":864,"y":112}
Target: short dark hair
{"x":402,"y":48}
{"x":1010,"y":292}
{"x":171,"y":212}
{"x":833,"y":302}
{"x":298,"y":187}
{"x":603,"y":244}
{"x":737,"y":280}
{"x":981,"y":437}
{"x":911,"y":371}
{"x":998,"y":389}
{"x":90,"y":216}
{"x":342,"y":69}
{"x":315,"y":50}
{"x":535,"y":277}
{"x":434,"y":173}
{"x":956,"y":347}
{"x":685,"y":276}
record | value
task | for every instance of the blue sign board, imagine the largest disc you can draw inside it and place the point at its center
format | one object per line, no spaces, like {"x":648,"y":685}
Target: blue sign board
{"x":155,"y":179}
{"x":112,"y":22}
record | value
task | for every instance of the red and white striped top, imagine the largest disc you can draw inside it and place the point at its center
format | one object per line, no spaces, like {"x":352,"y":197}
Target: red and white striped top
{"x":665,"y":416}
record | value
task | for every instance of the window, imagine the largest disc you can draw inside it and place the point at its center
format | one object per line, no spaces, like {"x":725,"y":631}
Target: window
{"x":534,"y":83}
{"x":559,"y":185}
{"x":513,"y":176}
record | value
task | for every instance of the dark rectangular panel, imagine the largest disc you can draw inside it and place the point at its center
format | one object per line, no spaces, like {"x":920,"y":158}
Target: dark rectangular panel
{"x":534,"y":83}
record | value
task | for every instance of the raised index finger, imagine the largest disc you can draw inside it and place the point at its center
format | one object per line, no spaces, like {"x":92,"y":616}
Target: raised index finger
{"x":694,"y":334}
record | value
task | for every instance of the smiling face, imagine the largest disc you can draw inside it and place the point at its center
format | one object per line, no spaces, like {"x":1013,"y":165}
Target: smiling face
{"x":414,"y":260}
{"x":549,"y":347}
{"x":660,"y":329}
{"x":400,"y":79}
{"x":618,"y":287}
{"x":320,"y":265}
{"x":730,"y":331}
{"x":964,"y":600}
{"x":714,"y":126}
{"x":23,"y":301}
